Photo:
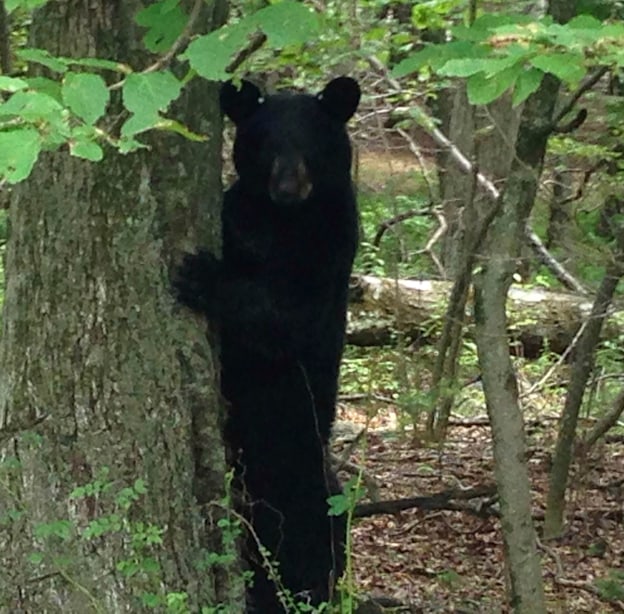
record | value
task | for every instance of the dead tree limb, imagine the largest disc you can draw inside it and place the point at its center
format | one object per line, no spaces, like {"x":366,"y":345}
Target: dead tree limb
{"x":445,"y":500}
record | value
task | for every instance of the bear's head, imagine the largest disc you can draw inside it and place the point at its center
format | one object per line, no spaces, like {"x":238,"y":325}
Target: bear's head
{"x":292,"y":147}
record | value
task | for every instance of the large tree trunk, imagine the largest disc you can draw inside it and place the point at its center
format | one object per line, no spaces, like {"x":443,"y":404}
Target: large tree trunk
{"x":104,"y":381}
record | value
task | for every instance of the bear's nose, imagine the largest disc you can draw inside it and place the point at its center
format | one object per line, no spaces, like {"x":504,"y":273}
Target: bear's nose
{"x":289,"y":183}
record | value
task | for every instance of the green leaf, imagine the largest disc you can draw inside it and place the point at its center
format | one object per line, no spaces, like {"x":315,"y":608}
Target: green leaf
{"x":32,"y":106}
{"x":86,"y":95}
{"x":138,"y":123}
{"x":147,"y":93}
{"x":165,"y":22}
{"x":287,"y":23}
{"x":19,"y":150}
{"x":527,"y":83}
{"x":89,"y":150}
{"x":140,"y":486}
{"x":151,"y":600}
{"x":41,"y":109}
{"x":465,"y":67}
{"x":487,"y":23}
{"x":569,"y":67}
{"x":98,"y":63}
{"x":433,"y":14}
{"x":41,"y":56}
{"x":437,"y":56}
{"x":12,"y":84}
{"x":415,"y":62}
{"x":585,"y":22}
{"x":338,"y":505}
{"x":494,"y":66}
{"x":47,"y":86}
{"x":27,"y":5}
{"x":128,"y":144}
{"x":35,"y":558}
{"x":284,"y":23}
{"x":482,"y":89}
{"x":56,"y":528}
{"x":209,"y":55}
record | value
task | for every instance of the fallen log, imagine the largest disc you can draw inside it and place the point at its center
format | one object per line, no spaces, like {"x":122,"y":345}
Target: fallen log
{"x":380,"y":308}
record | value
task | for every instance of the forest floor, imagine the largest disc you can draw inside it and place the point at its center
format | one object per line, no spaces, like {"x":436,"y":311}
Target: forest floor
{"x":451,"y":561}
{"x":447,"y":561}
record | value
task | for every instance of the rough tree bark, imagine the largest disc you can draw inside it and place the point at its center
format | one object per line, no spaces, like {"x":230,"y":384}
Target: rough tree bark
{"x":561,"y":211}
{"x":491,"y":285}
{"x":487,"y":136}
{"x":104,"y":381}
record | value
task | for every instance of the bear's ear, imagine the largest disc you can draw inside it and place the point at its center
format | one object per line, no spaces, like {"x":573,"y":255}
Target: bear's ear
{"x":239,"y":104}
{"x":340,"y":98}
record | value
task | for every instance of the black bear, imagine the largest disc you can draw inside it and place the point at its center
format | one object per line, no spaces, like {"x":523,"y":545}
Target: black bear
{"x":279,"y":296}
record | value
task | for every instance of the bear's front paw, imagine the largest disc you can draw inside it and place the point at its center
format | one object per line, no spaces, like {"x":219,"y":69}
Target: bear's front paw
{"x":196,"y":280}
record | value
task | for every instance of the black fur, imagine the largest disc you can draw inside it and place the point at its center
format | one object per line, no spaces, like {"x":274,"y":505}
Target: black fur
{"x":280,"y":297}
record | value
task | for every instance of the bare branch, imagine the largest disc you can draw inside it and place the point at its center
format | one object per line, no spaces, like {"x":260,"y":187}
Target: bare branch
{"x":413,"y":147}
{"x":573,"y":124}
{"x":393,"y":221}
{"x":435,"y":237}
{"x":255,"y":42}
{"x":587,"y":84}
{"x":546,"y":258}
{"x":177,"y":45}
{"x":555,"y":366}
{"x":439,"y":137}
{"x":606,"y":422}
